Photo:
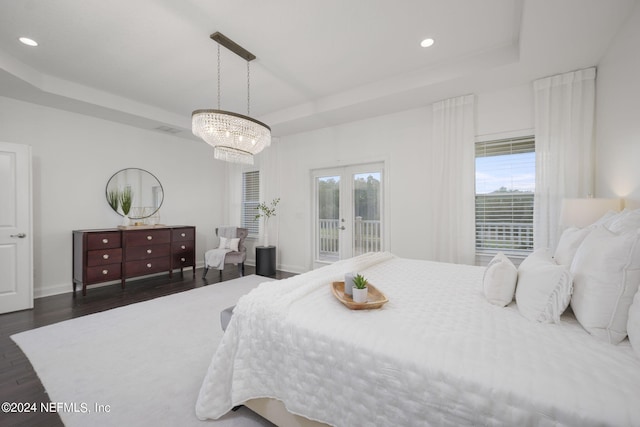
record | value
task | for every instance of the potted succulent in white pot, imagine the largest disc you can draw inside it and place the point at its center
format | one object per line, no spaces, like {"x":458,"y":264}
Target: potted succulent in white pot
{"x":360,"y":289}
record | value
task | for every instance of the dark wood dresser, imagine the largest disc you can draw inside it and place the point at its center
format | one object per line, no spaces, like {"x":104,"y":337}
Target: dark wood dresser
{"x":112,"y":254}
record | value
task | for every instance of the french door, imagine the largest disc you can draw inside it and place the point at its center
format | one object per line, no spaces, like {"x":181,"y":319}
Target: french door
{"x":348,"y":212}
{"x":16,"y":244}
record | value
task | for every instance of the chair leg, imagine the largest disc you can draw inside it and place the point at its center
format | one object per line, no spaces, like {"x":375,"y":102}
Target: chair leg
{"x":220,"y":275}
{"x":206,"y":270}
{"x":241,"y":269}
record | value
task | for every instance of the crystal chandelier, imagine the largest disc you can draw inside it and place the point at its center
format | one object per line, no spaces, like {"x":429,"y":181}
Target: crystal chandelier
{"x":234,"y":137}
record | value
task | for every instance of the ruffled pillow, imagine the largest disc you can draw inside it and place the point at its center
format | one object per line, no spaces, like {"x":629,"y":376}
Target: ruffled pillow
{"x":544,"y":288}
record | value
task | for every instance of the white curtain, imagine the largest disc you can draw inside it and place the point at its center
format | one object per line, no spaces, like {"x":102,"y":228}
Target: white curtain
{"x":452,"y":180}
{"x":564,"y":117}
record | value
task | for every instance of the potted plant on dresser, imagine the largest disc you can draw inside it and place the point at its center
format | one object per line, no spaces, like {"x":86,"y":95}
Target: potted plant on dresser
{"x":126,"y":199}
{"x":360,"y":290}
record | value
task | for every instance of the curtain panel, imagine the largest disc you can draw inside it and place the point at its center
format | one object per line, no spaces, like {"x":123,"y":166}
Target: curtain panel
{"x":452,"y":166}
{"x":564,"y":122}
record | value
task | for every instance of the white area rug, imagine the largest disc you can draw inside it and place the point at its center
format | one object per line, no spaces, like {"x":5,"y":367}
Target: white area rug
{"x":146,"y":361}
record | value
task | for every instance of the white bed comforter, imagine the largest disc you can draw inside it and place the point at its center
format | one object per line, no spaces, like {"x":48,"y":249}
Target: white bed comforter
{"x":436,"y":354}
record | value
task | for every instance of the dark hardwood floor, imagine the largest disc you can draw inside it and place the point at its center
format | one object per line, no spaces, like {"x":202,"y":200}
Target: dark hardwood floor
{"x":19,"y":382}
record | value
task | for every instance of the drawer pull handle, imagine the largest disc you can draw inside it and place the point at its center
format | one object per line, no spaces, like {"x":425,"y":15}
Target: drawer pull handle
{"x":149,"y":265}
{"x":105,"y":271}
{"x":183,"y":234}
{"x":149,"y":251}
{"x":105,"y":241}
{"x":183,"y":247}
{"x":182,"y":259}
{"x":105,"y":256}
{"x":149,"y":237}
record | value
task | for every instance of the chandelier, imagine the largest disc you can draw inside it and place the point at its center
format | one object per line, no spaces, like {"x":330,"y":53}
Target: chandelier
{"x":234,"y":137}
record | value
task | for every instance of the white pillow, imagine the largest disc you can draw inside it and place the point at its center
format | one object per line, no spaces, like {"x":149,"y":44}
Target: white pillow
{"x":544,"y":288}
{"x":226,"y":243}
{"x":607,"y":218}
{"x":626,"y":221}
{"x":633,"y":325}
{"x":606,"y":271}
{"x":233,"y":244}
{"x":569,"y":243}
{"x":499,"y":281}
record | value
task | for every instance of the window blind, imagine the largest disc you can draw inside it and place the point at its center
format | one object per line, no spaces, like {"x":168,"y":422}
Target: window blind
{"x":505,"y":188}
{"x":250,"y":201}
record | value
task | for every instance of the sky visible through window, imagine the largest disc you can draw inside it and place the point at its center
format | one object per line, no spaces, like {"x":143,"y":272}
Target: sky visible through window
{"x":513,"y":172}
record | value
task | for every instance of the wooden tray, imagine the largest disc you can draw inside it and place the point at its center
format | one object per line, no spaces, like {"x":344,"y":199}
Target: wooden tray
{"x":376,"y":299}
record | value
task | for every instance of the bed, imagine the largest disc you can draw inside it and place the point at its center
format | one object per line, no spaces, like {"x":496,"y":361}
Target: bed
{"x":438,"y":353}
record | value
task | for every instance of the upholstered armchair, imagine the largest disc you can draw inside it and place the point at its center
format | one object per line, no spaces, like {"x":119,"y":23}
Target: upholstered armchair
{"x":230,"y":251}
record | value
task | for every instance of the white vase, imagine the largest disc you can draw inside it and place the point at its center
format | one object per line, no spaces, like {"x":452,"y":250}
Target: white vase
{"x":125,"y":220}
{"x":265,"y":233}
{"x":360,"y":295}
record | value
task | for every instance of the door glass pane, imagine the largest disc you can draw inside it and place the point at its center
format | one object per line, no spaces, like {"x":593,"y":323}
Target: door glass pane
{"x":366,"y":218}
{"x":328,"y":189}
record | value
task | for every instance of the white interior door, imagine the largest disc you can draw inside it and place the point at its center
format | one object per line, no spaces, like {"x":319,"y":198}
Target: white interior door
{"x":348,"y":212}
{"x":16,"y":243}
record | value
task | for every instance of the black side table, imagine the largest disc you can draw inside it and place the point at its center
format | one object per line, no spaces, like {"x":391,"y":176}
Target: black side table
{"x":266,"y":260}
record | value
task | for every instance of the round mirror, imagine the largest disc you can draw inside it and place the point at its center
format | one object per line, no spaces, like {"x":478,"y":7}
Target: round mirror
{"x":134,"y":192}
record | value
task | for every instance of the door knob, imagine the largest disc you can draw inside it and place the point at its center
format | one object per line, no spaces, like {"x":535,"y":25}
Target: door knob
{"x":19,"y":235}
{"x":342,"y":227}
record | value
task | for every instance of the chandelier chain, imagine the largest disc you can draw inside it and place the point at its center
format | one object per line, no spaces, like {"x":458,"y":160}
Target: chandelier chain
{"x":248,"y":91}
{"x":218,"y":76}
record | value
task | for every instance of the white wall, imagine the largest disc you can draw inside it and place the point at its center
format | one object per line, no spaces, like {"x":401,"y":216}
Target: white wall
{"x":402,"y":141}
{"x":73,"y":158}
{"x":75,"y":155}
{"x":618,"y":115}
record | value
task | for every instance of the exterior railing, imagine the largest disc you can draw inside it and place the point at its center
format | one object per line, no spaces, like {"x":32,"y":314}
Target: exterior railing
{"x":366,"y":237}
{"x":328,"y":236}
{"x":504,"y":236}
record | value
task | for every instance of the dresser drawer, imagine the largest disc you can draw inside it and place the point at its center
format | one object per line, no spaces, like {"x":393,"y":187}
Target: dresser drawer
{"x":146,"y":237}
{"x":104,"y":257}
{"x":182,"y":234}
{"x":104,"y":273}
{"x":148,"y":251}
{"x":182,"y":247}
{"x":104,"y":240}
{"x":183,"y":260}
{"x":149,"y":266}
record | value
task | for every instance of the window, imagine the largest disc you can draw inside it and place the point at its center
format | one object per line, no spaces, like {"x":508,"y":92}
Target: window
{"x":505,"y":186}
{"x":250,"y":201}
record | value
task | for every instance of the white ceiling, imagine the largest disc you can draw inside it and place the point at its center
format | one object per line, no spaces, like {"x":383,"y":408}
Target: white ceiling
{"x":150,"y":63}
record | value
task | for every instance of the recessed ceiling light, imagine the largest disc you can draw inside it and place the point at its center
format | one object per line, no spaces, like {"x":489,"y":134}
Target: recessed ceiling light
{"x":28,"y":41}
{"x":427,"y":42}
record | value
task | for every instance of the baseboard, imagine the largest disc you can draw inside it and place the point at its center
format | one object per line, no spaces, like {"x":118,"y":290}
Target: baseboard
{"x":292,"y":268}
{"x":52,"y":290}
